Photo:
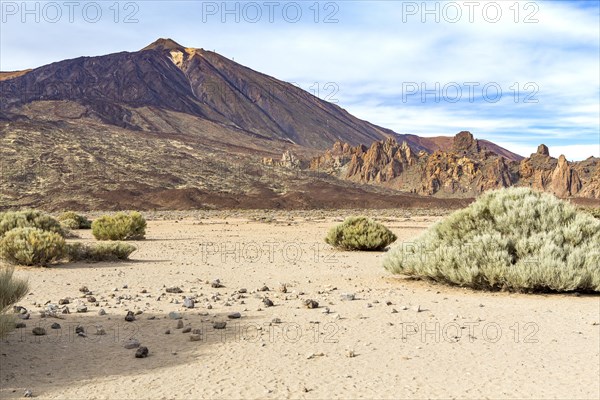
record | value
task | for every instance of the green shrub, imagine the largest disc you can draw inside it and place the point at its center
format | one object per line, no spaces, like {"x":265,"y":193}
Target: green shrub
{"x":594,"y":211}
{"x":515,"y":239}
{"x":29,"y":218}
{"x":120,"y":227}
{"x":32,"y":246}
{"x":11,"y":291}
{"x":72,"y":220}
{"x":99,"y":251}
{"x":360,"y":233}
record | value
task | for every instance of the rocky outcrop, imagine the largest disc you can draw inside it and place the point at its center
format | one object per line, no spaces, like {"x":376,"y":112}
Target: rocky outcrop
{"x":565,"y":181}
{"x":466,"y":169}
{"x":288,"y":160}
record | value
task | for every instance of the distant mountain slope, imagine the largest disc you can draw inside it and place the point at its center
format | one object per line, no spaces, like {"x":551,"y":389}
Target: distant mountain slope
{"x":201,"y":83}
{"x":171,"y":126}
{"x":116,"y":88}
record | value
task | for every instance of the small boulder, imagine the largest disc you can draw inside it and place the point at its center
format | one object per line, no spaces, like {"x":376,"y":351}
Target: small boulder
{"x":141,"y":352}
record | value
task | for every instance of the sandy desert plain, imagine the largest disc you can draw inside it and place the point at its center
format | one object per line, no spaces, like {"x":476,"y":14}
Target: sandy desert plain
{"x":397,"y":338}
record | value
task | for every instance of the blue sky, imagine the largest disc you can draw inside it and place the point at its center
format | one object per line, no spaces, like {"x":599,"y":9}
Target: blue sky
{"x":399,"y":64}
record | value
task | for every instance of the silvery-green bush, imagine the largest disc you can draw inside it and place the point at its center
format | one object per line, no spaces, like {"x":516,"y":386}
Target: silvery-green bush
{"x":29,"y":219}
{"x":32,"y":246}
{"x":113,"y":251}
{"x":120,"y":226}
{"x":360,"y":233}
{"x":516,"y":239}
{"x":72,"y":220}
{"x":11,"y":291}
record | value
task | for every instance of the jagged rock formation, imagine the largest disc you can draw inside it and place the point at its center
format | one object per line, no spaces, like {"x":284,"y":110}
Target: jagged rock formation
{"x":466,"y":169}
{"x":288,"y":160}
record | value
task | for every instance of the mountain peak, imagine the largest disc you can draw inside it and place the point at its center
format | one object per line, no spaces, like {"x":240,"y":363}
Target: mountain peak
{"x":162,"y":43}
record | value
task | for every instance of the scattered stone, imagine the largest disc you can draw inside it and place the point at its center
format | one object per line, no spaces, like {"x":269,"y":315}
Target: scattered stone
{"x":101,"y":312}
{"x":216,"y":283}
{"x":84,"y":289}
{"x":394,"y":311}
{"x":131,"y":343}
{"x":20,"y":310}
{"x":209,"y":306}
{"x":55,"y":325}
{"x":139,"y":312}
{"x":20,"y":325}
{"x":179,"y":324}
{"x":348,"y":296}
{"x":168,"y":332}
{"x":130,"y":317}
{"x":28,"y":393}
{"x":79,"y":329}
{"x":243,"y":290}
{"x":91,"y":299}
{"x":63,"y":301}
{"x":388,"y":303}
{"x":187,"y":329}
{"x":197,"y":331}
{"x":276,"y":320}
{"x":313,"y":355}
{"x":308,"y":303}
{"x":188,"y":303}
{"x":142,"y":352}
{"x":174,"y":289}
{"x":418,"y":309}
{"x":267,"y":302}
{"x":152,"y":317}
{"x":38,"y":331}
{"x":25,"y":316}
{"x":195,"y":337}
{"x":326,"y":310}
{"x":283,"y":288}
{"x":264,"y":289}
{"x":81,"y":308}
{"x":350,"y":354}
{"x":174,"y":315}
{"x":219,"y":325}
{"x":234,"y":315}
{"x":369,"y":305}
{"x":66,"y":310}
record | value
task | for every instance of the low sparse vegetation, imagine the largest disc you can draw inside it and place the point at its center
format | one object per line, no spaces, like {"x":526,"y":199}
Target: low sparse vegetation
{"x":32,"y":246}
{"x":120,"y":226}
{"x":113,"y":251}
{"x":515,"y":239}
{"x":29,"y":219}
{"x":11,"y":291}
{"x":72,"y":220}
{"x":360,"y":233}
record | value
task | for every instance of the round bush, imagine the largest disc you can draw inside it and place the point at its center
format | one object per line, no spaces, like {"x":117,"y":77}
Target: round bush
{"x":360,"y":233}
{"x":120,"y":226}
{"x":515,"y":239}
{"x":29,"y":218}
{"x":72,"y":220}
{"x":32,"y":246}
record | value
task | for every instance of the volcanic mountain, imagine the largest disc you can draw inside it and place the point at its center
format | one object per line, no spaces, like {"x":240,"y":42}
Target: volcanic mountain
{"x":176,"y":127}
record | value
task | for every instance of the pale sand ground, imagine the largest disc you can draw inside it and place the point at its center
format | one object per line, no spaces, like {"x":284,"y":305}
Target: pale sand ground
{"x":522,"y":346}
